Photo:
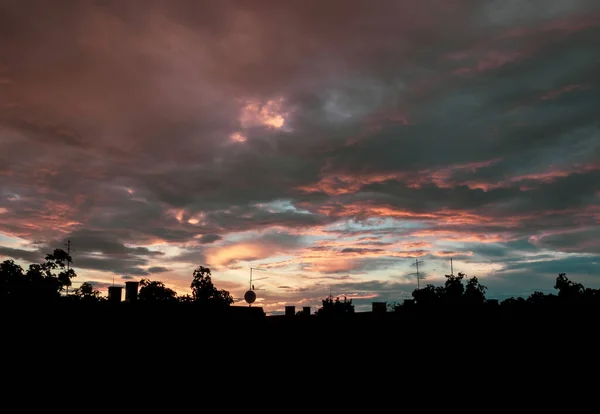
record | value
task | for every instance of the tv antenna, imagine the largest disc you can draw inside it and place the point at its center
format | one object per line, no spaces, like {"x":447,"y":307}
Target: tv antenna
{"x":68,"y":244}
{"x":250,"y":295}
{"x":417,"y":263}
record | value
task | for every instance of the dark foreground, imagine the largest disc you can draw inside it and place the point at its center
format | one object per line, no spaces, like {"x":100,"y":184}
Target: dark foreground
{"x":126,"y":322}
{"x":133,"y":340}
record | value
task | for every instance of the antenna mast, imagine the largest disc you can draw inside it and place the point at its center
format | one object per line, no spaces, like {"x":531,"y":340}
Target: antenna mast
{"x":417,"y":263}
{"x":68,"y":244}
{"x":250,"y":295}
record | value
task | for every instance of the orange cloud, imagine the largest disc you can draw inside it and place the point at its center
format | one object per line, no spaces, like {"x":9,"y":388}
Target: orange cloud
{"x":332,"y":266}
{"x":269,"y":113}
{"x":338,"y":184}
{"x":416,"y":245}
{"x":335,"y":183}
{"x":444,"y":235}
{"x":450,"y":254}
{"x":223,"y":256}
{"x":238,"y":137}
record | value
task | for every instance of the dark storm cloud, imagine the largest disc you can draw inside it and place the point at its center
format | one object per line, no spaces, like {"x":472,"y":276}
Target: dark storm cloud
{"x":121,"y":266}
{"x":500,"y":251}
{"x":96,"y":250}
{"x":87,"y":241}
{"x":209,"y":238}
{"x":582,"y":240}
{"x":20,"y":254}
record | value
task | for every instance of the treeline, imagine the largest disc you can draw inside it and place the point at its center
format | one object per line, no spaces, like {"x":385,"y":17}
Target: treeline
{"x":455,"y":292}
{"x":49,"y":282}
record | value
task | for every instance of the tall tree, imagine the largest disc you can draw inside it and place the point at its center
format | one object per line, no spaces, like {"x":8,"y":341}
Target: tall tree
{"x":568,"y":290}
{"x":205,"y":292}
{"x":61,"y":261}
{"x":12,"y":279}
{"x":454,"y":288}
{"x":41,"y":282}
{"x":474,"y":292}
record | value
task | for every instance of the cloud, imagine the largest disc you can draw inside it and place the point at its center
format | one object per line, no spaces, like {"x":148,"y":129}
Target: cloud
{"x":27,"y":255}
{"x":252,"y":247}
{"x":209,"y":238}
{"x":160,"y":139}
{"x":574,"y":240}
{"x":157,"y":269}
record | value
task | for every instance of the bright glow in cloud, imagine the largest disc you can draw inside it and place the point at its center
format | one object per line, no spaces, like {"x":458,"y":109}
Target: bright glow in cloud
{"x":270,"y":113}
{"x":238,"y":137}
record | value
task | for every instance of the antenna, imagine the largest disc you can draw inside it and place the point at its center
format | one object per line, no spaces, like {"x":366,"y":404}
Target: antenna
{"x":250,"y":295}
{"x":417,"y":263}
{"x":68,"y":244}
{"x":451,"y":268}
{"x":251,"y":279}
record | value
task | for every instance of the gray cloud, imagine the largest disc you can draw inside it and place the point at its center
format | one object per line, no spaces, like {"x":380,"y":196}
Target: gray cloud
{"x":209,"y":238}
{"x":20,"y":254}
{"x":157,"y":269}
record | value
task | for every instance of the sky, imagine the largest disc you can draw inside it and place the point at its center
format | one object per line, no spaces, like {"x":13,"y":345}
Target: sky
{"x":328,"y":144}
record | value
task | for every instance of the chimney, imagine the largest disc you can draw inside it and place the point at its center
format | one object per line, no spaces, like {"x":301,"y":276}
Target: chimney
{"x":131,"y":291}
{"x":114,"y":294}
{"x":306,"y":310}
{"x":290,"y":310}
{"x":379,"y":307}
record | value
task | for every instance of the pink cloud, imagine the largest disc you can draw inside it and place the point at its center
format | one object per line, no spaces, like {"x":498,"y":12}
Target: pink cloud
{"x":561,"y":91}
{"x":333,"y":183}
{"x":563,"y":25}
{"x":489,"y":61}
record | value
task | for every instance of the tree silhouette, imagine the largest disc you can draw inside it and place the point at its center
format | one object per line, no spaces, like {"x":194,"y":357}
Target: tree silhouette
{"x":87,"y":293}
{"x":453,"y":289}
{"x":40,"y":282}
{"x":205,"y":293}
{"x":537,"y":298}
{"x":474,"y":292}
{"x":155,"y":291}
{"x":453,"y":292}
{"x":335,"y":308}
{"x":568,"y":291}
{"x":429,"y":295}
{"x":12,"y":280}
{"x":59,"y":259}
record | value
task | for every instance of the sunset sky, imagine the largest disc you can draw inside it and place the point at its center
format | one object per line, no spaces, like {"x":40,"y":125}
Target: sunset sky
{"x":328,"y":142}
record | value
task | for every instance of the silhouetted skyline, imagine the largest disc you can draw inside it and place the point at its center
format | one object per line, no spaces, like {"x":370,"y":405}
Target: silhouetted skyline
{"x":48,"y":283}
{"x":327,"y":144}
